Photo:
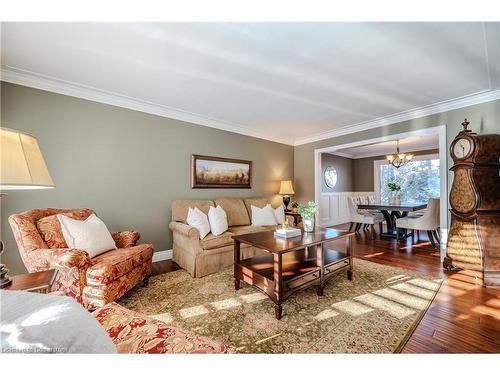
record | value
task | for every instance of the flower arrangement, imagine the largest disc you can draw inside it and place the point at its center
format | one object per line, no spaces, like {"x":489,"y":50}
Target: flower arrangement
{"x":394,"y":186}
{"x":309,"y":211}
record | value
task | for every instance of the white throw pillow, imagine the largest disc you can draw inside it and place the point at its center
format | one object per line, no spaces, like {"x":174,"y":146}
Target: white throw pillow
{"x":218,"y":220}
{"x":197,"y":219}
{"x":279,"y":214}
{"x":263,"y":216}
{"x":90,"y":235}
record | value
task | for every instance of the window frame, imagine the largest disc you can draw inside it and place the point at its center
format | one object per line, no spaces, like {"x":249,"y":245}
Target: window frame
{"x":378,"y":163}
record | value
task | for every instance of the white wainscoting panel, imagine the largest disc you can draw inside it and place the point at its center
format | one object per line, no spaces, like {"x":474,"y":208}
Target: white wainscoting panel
{"x":333,"y":208}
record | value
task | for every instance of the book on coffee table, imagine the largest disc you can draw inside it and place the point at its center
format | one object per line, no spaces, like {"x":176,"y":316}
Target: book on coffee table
{"x":287,"y":232}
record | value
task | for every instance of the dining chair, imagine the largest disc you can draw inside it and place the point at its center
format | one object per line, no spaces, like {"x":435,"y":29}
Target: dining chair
{"x":429,"y":222}
{"x":361,"y":217}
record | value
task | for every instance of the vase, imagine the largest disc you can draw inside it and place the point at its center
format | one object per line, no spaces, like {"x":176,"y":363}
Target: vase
{"x":308,"y":224}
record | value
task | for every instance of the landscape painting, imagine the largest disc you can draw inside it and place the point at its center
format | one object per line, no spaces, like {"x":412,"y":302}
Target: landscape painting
{"x":214,"y":172}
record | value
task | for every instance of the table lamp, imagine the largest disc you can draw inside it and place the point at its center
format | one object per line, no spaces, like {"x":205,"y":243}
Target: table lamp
{"x":286,"y":189}
{"x":22,"y":168}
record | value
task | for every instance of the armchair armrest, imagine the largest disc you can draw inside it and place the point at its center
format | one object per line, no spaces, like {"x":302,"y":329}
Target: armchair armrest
{"x":72,"y":258}
{"x":126,"y":238}
{"x":184,"y":229}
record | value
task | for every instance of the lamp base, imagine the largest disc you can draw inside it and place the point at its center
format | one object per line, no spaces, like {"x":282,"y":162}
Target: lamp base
{"x":286,"y":201}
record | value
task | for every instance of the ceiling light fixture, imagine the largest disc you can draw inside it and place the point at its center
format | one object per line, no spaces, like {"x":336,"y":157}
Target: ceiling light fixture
{"x":399,"y":159}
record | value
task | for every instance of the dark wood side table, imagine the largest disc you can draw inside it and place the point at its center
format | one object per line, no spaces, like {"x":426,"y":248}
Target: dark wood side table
{"x":39,"y":282}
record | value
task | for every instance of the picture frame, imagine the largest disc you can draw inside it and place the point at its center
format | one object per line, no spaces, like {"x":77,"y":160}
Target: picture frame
{"x":211,"y":172}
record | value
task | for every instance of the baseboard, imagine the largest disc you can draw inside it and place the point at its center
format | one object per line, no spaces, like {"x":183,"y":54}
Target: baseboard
{"x":158,"y":256}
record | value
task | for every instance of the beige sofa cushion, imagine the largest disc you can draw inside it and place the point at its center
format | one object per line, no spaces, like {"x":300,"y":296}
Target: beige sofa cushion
{"x":244,"y":229}
{"x":214,"y":242}
{"x":180,"y":208}
{"x":235,"y":209}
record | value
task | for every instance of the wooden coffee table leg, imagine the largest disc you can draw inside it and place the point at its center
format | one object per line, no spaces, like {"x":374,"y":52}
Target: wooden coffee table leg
{"x":278,"y":311}
{"x":320,"y":262}
{"x":349,"y":252}
{"x":278,"y":285}
{"x":236,"y":264}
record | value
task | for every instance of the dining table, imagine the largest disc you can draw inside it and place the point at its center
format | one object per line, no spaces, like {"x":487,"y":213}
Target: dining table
{"x":391,"y":212}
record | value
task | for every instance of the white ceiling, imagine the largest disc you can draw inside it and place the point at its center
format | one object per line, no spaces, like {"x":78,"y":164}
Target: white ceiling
{"x":290,"y":82}
{"x":425,"y":142}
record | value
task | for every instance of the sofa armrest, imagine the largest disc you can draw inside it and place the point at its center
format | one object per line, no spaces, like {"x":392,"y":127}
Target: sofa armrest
{"x":184,"y":229}
{"x":126,"y":238}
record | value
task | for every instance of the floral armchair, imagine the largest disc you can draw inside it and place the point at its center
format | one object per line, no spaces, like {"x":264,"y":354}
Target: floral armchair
{"x":94,"y":282}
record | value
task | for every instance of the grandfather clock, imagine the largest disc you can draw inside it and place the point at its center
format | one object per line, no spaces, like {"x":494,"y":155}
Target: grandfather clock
{"x":474,"y":236}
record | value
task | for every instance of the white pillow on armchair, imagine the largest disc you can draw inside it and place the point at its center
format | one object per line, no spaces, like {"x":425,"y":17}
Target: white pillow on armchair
{"x":90,"y":235}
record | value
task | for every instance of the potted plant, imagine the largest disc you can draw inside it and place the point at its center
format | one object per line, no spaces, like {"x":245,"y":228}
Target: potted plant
{"x":395,"y":188}
{"x":295,"y":205}
{"x":308,"y":213}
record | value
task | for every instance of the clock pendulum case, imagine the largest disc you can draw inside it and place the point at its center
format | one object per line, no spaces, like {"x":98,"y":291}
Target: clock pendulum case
{"x":474,"y":236}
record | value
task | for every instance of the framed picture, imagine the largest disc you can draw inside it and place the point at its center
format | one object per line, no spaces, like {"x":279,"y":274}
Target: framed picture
{"x":211,"y":172}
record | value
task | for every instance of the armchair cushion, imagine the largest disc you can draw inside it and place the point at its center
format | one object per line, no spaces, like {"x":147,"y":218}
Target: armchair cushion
{"x":127,"y":238}
{"x":113,"y":264}
{"x":50,"y":227}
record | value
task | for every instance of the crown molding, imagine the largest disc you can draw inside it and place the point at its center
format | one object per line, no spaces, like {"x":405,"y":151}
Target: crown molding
{"x":47,"y":83}
{"x":448,"y":105}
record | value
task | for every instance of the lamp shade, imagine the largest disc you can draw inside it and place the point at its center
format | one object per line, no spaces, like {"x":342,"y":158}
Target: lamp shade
{"x":22,"y":163}
{"x":286,"y":188}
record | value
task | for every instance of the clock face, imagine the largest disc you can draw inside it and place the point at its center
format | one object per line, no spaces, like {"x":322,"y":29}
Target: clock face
{"x":462,"y":148}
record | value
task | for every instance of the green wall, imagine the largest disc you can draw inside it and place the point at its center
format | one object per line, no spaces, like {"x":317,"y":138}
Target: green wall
{"x":343,"y":166}
{"x":127,"y":165}
{"x":484,"y":118}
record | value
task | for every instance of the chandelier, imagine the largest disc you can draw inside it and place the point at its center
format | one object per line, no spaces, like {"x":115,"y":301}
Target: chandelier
{"x":399,"y":159}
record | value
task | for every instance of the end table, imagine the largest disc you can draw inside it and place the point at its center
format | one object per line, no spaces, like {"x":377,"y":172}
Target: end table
{"x":39,"y":282}
{"x":296,"y":217}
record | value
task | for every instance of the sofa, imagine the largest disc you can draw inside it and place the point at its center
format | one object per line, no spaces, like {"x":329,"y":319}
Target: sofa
{"x":92,"y":282}
{"x":214,"y":253}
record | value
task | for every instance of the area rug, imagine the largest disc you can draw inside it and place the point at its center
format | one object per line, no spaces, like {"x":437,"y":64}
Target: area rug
{"x":374,"y":313}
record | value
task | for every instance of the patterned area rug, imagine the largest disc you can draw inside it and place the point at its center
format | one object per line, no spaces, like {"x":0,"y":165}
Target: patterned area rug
{"x":374,"y":313}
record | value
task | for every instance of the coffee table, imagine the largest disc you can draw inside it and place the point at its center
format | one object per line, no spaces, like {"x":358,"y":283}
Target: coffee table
{"x":293,"y":264}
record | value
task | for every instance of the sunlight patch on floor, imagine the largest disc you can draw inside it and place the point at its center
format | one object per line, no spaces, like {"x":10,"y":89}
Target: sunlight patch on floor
{"x":326,"y":314}
{"x":381,"y":303}
{"x":253,"y":297}
{"x":267,"y":338}
{"x":402,"y":298}
{"x":414,"y":290}
{"x":165,"y":317}
{"x":193,"y":311}
{"x":352,"y":308}
{"x":225,"y":304}
{"x":426,"y":284}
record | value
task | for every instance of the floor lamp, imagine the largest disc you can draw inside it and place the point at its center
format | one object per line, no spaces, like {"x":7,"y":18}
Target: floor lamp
{"x":22,"y":168}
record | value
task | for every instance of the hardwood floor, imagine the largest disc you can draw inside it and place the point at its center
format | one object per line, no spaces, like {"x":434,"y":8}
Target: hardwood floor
{"x":463,"y":318}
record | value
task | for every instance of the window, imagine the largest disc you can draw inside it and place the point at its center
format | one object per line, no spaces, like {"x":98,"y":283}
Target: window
{"x":419,"y":179}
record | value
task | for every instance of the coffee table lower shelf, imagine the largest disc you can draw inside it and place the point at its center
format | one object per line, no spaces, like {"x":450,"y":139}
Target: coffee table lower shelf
{"x":296,"y":271}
